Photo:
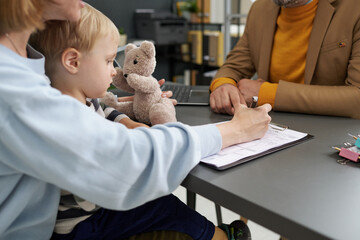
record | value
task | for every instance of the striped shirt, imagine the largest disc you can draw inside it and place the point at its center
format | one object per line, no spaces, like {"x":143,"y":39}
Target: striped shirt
{"x":73,"y":209}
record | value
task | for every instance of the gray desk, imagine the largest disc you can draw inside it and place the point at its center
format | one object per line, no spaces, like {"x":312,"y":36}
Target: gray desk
{"x":300,"y":192}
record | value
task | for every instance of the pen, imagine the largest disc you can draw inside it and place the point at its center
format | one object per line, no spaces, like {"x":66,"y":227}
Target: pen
{"x":254,"y":101}
{"x":278,"y":126}
{"x":273,"y":125}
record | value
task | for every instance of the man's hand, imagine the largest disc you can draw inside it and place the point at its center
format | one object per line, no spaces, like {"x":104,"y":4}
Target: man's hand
{"x":249,"y":88}
{"x":247,"y":124}
{"x":224,"y":99}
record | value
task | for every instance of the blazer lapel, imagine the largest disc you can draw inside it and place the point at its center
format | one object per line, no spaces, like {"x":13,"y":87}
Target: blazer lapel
{"x":270,"y":18}
{"x":321,"y":23}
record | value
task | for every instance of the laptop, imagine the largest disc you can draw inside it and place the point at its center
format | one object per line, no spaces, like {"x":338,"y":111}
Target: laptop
{"x":188,"y":95}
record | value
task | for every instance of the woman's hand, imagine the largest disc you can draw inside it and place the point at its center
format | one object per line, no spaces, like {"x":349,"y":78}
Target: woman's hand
{"x":247,"y":124}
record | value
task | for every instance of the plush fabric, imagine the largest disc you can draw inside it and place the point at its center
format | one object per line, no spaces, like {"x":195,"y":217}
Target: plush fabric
{"x":135,"y":77}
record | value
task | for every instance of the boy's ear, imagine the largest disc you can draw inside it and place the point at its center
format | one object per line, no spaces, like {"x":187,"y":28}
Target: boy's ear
{"x":70,"y":60}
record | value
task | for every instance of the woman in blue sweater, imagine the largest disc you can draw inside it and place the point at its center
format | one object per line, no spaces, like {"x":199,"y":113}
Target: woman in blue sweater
{"x":48,"y":141}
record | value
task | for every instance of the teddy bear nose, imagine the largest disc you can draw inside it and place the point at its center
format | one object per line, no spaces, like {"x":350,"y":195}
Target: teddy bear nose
{"x":125,"y":75}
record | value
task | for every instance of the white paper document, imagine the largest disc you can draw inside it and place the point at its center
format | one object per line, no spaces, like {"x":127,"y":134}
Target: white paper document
{"x":273,"y":139}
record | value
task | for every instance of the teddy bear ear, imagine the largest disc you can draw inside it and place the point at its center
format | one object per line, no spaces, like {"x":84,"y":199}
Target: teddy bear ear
{"x":148,"y":48}
{"x":129,"y":47}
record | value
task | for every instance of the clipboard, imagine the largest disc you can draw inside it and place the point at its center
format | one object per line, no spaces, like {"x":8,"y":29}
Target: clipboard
{"x":278,"y":137}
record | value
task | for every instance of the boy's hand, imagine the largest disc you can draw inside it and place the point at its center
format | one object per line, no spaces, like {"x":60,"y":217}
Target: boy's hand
{"x":132,"y":124}
{"x":126,"y":99}
{"x":165,"y":94}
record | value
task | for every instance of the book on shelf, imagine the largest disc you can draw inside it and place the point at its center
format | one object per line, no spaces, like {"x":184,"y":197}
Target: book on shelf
{"x":179,"y":8}
{"x":196,"y":18}
{"x":213,"y":51}
{"x":195,"y":38}
{"x":185,"y":52}
{"x":194,"y":74}
{"x":215,"y":48}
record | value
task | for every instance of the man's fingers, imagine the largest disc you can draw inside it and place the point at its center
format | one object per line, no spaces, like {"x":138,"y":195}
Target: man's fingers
{"x":222,"y":102}
{"x":241,"y":97}
{"x":212,"y":103}
{"x":226,"y":105}
{"x":216,"y":102}
{"x":225,"y":99}
{"x":235,"y":100}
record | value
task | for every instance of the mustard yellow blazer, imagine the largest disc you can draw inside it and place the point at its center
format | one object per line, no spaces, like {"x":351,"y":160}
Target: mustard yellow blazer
{"x":332,"y":72}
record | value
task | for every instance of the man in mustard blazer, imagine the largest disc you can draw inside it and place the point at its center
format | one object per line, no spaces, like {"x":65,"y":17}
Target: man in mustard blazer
{"x":306,"y":54}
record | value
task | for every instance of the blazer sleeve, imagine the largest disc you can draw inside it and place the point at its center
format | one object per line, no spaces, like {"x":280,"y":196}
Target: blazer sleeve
{"x":338,"y":100}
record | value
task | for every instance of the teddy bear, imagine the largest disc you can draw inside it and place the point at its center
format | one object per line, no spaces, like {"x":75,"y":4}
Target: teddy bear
{"x":148,"y":106}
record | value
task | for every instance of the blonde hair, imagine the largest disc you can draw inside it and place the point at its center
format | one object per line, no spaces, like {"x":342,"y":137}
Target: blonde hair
{"x":81,"y":35}
{"x":19,"y":15}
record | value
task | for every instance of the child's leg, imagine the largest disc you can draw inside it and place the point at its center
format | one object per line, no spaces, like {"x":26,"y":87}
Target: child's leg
{"x":166,"y":213}
{"x":219,"y":234}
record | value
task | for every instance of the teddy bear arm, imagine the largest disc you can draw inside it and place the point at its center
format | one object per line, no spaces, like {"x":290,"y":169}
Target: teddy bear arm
{"x":119,"y":81}
{"x":144,"y":84}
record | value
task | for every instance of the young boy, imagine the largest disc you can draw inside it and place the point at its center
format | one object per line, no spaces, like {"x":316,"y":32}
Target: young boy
{"x":79,"y":62}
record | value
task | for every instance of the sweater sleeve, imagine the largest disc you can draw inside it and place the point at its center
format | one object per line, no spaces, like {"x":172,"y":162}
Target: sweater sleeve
{"x":267,"y":93}
{"x":221,"y":81}
{"x":56,"y":139}
{"x":336,"y":100}
{"x":334,"y":88}
{"x":112,"y":114}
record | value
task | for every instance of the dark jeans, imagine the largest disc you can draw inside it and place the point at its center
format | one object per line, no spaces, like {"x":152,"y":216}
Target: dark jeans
{"x":165,"y":213}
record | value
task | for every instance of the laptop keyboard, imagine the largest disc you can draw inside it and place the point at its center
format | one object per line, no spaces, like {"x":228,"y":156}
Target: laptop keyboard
{"x":180,"y":92}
